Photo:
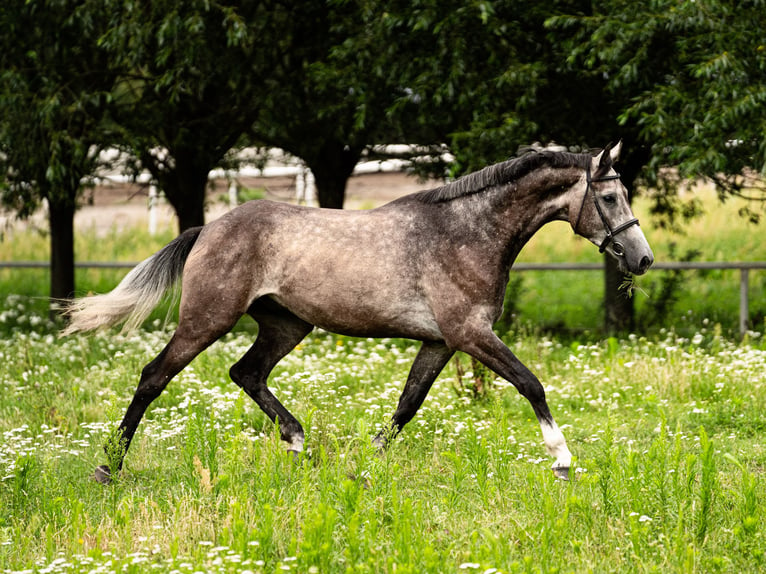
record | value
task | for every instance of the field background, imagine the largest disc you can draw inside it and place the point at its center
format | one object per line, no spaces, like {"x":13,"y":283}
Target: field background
{"x":666,"y":425}
{"x":567,"y":303}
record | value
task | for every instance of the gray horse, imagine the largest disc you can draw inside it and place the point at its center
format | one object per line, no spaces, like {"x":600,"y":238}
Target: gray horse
{"x":431,"y":266}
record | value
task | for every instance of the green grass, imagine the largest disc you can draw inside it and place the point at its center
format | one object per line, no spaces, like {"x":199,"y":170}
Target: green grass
{"x":666,"y":430}
{"x":666,"y":434}
{"x":570,"y":301}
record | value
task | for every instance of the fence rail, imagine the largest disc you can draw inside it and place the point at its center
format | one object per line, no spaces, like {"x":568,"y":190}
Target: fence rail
{"x":744,"y":275}
{"x":744,"y":268}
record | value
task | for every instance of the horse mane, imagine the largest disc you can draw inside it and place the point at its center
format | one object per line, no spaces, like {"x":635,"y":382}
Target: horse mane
{"x":504,"y":172}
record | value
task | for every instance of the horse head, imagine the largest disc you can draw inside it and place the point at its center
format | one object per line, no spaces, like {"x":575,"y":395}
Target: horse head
{"x":601,"y":213}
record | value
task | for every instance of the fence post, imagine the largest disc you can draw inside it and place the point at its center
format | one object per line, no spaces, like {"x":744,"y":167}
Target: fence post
{"x":743,"y":304}
{"x":153,"y":198}
{"x":233,"y":199}
{"x":305,"y":187}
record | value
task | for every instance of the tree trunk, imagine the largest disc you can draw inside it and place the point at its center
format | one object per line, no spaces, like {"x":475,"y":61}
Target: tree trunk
{"x":188,"y":199}
{"x":61,"y":220}
{"x":332,"y":167}
{"x":619,"y":313}
{"x":185,"y":188}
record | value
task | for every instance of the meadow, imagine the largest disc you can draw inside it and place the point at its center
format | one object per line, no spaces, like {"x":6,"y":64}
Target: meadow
{"x":666,"y":428}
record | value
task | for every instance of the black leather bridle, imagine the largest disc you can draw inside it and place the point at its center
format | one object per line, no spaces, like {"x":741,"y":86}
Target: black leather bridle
{"x":610,"y":233}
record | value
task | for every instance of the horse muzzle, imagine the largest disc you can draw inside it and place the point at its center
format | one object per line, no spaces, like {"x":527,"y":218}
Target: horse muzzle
{"x":632,"y":251}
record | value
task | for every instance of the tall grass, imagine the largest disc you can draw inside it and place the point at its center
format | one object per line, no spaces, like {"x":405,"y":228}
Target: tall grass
{"x":667,"y":476}
{"x":665,"y":429}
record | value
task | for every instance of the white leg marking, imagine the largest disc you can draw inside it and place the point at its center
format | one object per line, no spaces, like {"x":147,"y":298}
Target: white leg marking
{"x":556,"y":445}
{"x":296,"y":444}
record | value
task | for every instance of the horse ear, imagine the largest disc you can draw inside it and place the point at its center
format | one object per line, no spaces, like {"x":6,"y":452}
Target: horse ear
{"x":604,"y":159}
{"x":614,"y":152}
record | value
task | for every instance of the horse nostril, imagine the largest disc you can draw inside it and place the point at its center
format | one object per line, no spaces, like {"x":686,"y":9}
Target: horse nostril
{"x":645,"y":263}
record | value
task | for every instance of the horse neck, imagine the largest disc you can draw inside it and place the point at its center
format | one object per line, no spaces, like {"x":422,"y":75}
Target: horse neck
{"x":512,"y":213}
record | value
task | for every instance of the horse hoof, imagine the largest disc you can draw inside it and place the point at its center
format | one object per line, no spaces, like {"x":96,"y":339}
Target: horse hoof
{"x":363,"y":481}
{"x":299,"y":456}
{"x":561,"y":472}
{"x":379,"y":444}
{"x":103,"y":474}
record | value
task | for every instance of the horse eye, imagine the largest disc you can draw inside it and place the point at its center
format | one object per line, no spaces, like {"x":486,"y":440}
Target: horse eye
{"x":610,"y":199}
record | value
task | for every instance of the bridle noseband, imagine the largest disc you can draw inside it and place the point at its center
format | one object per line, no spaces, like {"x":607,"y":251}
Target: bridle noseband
{"x":610,"y":233}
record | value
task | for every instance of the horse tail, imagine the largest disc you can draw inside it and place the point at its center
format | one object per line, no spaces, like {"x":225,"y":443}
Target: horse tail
{"x":137,"y":294}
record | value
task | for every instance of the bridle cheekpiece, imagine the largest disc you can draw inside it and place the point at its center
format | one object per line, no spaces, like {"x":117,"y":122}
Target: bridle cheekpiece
{"x":610,"y":233}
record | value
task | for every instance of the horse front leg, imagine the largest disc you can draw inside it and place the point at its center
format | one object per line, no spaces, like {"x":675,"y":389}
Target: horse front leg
{"x":494,"y":354}
{"x":429,"y":362}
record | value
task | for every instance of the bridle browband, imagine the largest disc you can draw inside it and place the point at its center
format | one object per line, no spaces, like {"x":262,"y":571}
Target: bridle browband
{"x":610,"y":233}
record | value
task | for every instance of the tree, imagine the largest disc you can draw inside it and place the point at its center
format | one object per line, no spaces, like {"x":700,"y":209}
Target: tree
{"x":310,"y":112}
{"x":334,"y":100}
{"x":698,"y":75}
{"x":687,"y":80}
{"x":192,"y":78}
{"x":53,"y":96}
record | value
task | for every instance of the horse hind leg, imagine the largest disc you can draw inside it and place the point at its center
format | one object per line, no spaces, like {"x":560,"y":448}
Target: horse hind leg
{"x":279,"y":331}
{"x":197,"y":329}
{"x":155,"y":376}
